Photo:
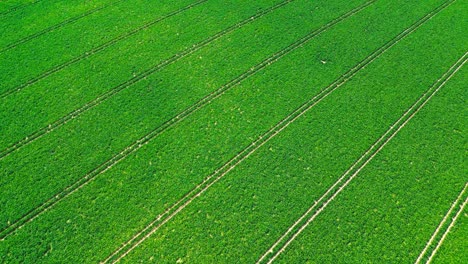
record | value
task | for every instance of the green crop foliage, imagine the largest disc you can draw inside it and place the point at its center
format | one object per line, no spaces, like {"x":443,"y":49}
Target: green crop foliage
{"x":169,"y":131}
{"x":8,"y":7}
{"x":43,"y":52}
{"x":82,"y":82}
{"x":453,"y":249}
{"x":243,"y":215}
{"x":32,"y":17}
{"x":110,"y":127}
{"x":391,"y":210}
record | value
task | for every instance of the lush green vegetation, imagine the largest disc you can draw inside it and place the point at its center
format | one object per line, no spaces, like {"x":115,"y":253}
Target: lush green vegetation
{"x":7,"y":7}
{"x":41,"y":53}
{"x":256,"y":204}
{"x":453,"y":250}
{"x":82,"y":82}
{"x":200,"y":131}
{"x":35,"y":18}
{"x":388,"y":212}
{"x":118,"y":128}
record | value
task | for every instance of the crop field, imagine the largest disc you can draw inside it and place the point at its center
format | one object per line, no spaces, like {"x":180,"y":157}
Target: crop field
{"x":203,"y":131}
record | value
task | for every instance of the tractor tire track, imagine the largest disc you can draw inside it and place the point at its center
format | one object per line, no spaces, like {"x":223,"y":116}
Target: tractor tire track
{"x":35,"y":212}
{"x":221,"y":172}
{"x":452,"y":223}
{"x":142,"y":75}
{"x":18,"y":7}
{"x":56,"y":26}
{"x":429,"y":243}
{"x":290,"y":235}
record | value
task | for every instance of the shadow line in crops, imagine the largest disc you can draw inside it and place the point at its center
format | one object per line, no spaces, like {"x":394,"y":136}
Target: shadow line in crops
{"x":312,"y":212}
{"x":140,"y":76}
{"x":35,"y":212}
{"x":54,"y":27}
{"x":96,"y":50}
{"x":18,"y":7}
{"x":430,"y":243}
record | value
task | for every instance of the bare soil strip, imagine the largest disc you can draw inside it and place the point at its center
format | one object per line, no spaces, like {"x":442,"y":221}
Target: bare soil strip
{"x":294,"y":230}
{"x":135,"y":79}
{"x":95,"y":50}
{"x":34,"y":213}
{"x":424,"y":253}
{"x":56,"y":26}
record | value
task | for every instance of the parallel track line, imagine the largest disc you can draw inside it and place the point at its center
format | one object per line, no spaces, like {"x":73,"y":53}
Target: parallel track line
{"x":56,"y":26}
{"x":216,"y":176}
{"x":439,"y":228}
{"x":18,"y":7}
{"x":35,"y":212}
{"x":452,"y":223}
{"x":97,"y":49}
{"x":142,"y":75}
{"x":408,"y":31}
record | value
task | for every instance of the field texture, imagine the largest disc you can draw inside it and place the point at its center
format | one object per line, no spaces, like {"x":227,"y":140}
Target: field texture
{"x":288,"y":131}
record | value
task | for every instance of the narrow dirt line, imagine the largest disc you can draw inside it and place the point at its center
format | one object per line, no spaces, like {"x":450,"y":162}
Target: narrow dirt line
{"x":447,"y":231}
{"x":430,"y":242}
{"x":353,"y":166}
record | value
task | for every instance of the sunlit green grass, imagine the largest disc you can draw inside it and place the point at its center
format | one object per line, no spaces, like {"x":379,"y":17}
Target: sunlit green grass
{"x":241,"y":215}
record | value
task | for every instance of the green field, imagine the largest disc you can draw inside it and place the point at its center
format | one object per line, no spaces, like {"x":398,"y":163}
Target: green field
{"x":202,"y":131}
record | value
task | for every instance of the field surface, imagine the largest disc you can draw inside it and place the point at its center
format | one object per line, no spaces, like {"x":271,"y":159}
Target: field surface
{"x":202,"y":131}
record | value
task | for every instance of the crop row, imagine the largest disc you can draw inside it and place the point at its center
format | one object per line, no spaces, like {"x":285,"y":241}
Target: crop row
{"x":443,"y":229}
{"x":57,"y":26}
{"x":168,"y":124}
{"x":259,"y":142}
{"x":136,"y":78}
{"x":96,"y":49}
{"x":45,"y":16}
{"x":452,"y":250}
{"x":166,"y":168}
